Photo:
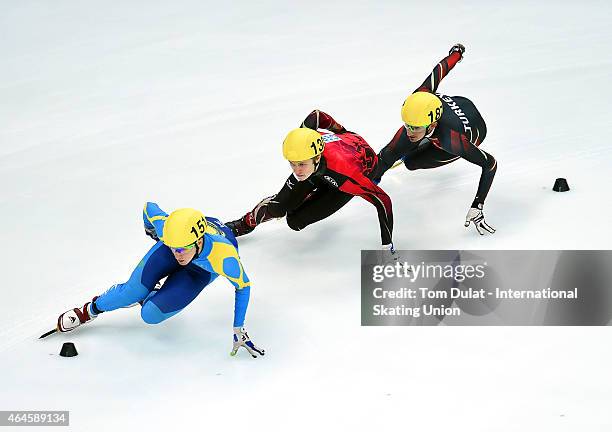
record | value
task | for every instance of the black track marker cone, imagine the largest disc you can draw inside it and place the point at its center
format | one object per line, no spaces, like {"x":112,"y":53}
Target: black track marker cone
{"x":68,"y":350}
{"x":561,"y":185}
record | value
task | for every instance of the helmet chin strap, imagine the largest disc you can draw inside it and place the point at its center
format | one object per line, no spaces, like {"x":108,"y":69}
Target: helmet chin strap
{"x":317,"y":164}
{"x":429,"y":134}
{"x":198,"y":251}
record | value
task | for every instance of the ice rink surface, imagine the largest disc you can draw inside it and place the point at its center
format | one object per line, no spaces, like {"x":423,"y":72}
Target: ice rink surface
{"x":104,"y":106}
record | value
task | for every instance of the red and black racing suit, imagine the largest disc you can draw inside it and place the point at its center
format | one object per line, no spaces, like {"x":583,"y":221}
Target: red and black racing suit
{"x":346,"y":169}
{"x":459,"y":132}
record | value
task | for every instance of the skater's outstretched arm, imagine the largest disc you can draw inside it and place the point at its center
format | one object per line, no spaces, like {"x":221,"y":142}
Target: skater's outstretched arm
{"x":153,"y":218}
{"x":362,"y":186}
{"x":320,"y":120}
{"x":392,"y":152}
{"x":224,"y":259}
{"x":292,"y":194}
{"x":459,"y":144}
{"x":442,"y":69}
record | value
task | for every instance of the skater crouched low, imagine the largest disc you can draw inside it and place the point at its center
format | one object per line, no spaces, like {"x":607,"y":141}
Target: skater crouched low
{"x":330,"y":166}
{"x":190,"y":252}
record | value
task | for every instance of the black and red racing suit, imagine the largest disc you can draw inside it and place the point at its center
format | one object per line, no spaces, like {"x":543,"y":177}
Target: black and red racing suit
{"x":346,"y":169}
{"x":458,"y":133}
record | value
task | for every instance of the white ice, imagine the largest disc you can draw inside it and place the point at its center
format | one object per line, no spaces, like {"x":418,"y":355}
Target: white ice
{"x":105,"y":105}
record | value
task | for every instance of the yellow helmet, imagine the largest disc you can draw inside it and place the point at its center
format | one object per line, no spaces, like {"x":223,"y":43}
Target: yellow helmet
{"x":302,"y":144}
{"x":183,"y":227}
{"x":421,"y":109}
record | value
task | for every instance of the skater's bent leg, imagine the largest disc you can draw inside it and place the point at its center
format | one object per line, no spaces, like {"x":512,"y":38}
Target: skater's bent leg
{"x":324,"y":204}
{"x":432,"y":157}
{"x":180,"y":289}
{"x":156,"y":264}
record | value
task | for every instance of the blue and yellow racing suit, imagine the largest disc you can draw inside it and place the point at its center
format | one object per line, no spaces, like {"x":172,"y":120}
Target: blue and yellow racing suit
{"x":219,"y":256}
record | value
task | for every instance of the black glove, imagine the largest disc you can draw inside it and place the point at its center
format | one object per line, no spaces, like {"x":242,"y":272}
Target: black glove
{"x":151,"y":233}
{"x":457,"y":48}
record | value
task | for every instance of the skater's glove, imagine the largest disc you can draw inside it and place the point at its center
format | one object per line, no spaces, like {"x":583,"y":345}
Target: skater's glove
{"x":457,"y":48}
{"x":476,"y":216}
{"x":241,"y":339}
{"x":151,"y":233}
{"x":260,"y":213}
{"x":388,"y":254}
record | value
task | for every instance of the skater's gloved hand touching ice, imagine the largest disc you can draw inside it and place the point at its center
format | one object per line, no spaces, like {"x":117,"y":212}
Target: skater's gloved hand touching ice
{"x":388,"y":254}
{"x":241,"y":339}
{"x":476,"y":216}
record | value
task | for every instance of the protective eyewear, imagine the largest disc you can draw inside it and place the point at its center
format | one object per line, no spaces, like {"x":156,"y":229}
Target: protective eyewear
{"x":410,"y":128}
{"x":183,"y":249}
